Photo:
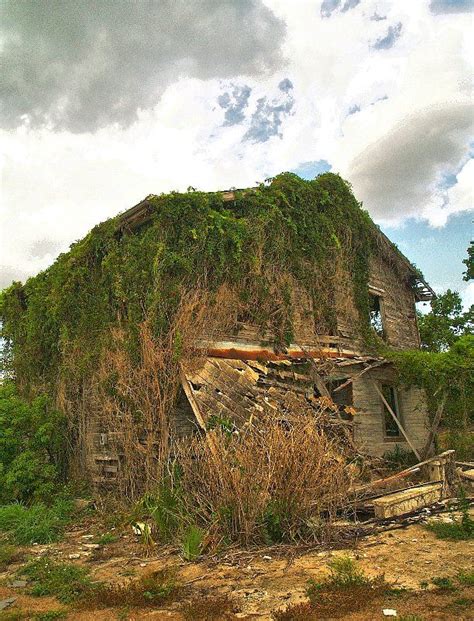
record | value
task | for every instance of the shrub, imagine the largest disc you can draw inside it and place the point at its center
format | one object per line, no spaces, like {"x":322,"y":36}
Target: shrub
{"x":344,"y":591}
{"x":443,"y":583}
{"x":35,"y":524}
{"x":165,"y":507}
{"x":466,"y":578}
{"x":399,"y":458}
{"x":32,"y":456}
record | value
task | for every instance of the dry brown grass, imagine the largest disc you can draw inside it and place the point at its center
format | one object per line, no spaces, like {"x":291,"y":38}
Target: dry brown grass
{"x":209,"y":608}
{"x":151,"y":590}
{"x":278,"y":479}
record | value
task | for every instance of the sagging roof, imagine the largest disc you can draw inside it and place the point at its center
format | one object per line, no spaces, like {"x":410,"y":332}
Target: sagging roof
{"x":238,"y":390}
{"x":140,"y":213}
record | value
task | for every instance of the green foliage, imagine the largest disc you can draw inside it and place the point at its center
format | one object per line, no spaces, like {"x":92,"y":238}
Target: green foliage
{"x":443,"y":583}
{"x":344,"y":574}
{"x":469,"y":263}
{"x":449,"y":373}
{"x":107,"y":538}
{"x":49,"y":615}
{"x":192,"y":542}
{"x":56,"y":325}
{"x":37,"y":523}
{"x":466,"y":578}
{"x":445,"y":323}
{"x":165,"y":507}
{"x":400,"y":458}
{"x":8,"y":555}
{"x":460,"y":528}
{"x":150,"y":590}
{"x":31,"y":446}
{"x":65,"y":581}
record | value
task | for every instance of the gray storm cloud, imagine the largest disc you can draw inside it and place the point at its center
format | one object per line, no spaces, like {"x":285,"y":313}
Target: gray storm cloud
{"x":84,"y":65}
{"x":397,"y":174}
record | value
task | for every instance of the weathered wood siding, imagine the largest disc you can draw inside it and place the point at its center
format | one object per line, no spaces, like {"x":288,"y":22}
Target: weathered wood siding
{"x":369,"y":429}
{"x":398,"y":312}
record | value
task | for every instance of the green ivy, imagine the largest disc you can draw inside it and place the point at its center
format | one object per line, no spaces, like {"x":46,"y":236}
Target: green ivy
{"x":57,"y":323}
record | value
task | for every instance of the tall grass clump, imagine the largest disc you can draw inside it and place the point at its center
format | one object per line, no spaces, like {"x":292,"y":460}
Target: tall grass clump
{"x":275,"y":480}
{"x":37,"y":523}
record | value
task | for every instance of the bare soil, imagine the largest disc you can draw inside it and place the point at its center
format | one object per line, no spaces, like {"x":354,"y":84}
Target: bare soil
{"x":258,"y":584}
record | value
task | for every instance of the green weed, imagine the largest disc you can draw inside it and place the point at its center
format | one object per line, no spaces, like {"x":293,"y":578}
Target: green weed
{"x":443,"y":583}
{"x":50,"y":615}
{"x":35,"y":524}
{"x":466,"y":578}
{"x":107,"y":538}
{"x":192,"y":542}
{"x":150,"y":590}
{"x":458,"y":530}
{"x":8,"y":554}
{"x":65,"y":581}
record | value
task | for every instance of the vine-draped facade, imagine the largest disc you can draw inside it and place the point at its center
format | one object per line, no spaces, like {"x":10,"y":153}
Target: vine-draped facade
{"x":275,"y":276}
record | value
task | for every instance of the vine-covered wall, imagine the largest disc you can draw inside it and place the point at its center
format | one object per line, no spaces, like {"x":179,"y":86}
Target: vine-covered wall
{"x":290,"y":230}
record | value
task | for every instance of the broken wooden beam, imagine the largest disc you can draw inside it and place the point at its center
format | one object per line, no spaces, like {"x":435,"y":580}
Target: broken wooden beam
{"x":408,"y":500}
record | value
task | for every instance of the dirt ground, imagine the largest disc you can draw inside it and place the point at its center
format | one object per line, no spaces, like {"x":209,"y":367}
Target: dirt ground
{"x":260,"y":583}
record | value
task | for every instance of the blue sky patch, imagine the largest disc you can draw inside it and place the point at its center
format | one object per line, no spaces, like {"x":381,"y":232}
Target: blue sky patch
{"x":310,"y":170}
{"x":329,"y":6}
{"x":388,"y":41}
{"x":438,"y":252}
{"x":268,"y":117}
{"x":234,"y":104}
{"x":451,"y":6}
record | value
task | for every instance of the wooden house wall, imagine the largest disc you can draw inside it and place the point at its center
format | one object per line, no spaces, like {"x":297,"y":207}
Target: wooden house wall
{"x":369,"y":428}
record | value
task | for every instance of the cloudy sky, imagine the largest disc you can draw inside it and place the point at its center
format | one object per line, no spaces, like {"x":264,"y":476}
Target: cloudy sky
{"x":106,"y":101}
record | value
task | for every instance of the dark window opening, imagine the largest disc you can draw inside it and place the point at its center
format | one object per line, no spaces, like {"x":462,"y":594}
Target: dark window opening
{"x":341,"y":394}
{"x":391,"y":428}
{"x":375,"y":315}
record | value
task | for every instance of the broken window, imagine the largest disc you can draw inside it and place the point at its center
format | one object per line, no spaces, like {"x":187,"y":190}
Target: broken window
{"x":375,"y":314}
{"x":391,"y":428}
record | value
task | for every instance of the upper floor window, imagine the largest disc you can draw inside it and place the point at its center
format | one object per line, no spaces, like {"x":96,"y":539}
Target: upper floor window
{"x":376,"y":314}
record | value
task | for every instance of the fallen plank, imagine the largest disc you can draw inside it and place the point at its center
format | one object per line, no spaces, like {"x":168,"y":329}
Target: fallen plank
{"x":467,"y":474}
{"x":407,"y":501}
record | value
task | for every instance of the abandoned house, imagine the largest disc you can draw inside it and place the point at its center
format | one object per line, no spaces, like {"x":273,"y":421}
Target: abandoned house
{"x":249,"y":365}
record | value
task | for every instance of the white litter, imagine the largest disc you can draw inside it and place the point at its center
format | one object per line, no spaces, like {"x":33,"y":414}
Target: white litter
{"x":389,"y":612}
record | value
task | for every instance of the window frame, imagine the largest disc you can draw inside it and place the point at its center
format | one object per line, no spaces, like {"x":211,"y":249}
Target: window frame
{"x":380,"y":295}
{"x":397,"y":410}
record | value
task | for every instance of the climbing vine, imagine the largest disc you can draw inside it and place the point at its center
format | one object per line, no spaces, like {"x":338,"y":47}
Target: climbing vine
{"x":259,"y":245}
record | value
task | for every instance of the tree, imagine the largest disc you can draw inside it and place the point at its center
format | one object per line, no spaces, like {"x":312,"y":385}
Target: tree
{"x":445,"y":323}
{"x":469,"y":263}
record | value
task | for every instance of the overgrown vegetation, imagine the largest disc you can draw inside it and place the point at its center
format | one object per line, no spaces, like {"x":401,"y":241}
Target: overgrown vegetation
{"x":32,"y":447}
{"x":37,"y":523}
{"x":65,"y":581}
{"x":72,"y":584}
{"x":286,"y":239}
{"x":459,"y":528}
{"x":345,"y":590}
{"x":448,"y":379}
{"x":273,"y":481}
